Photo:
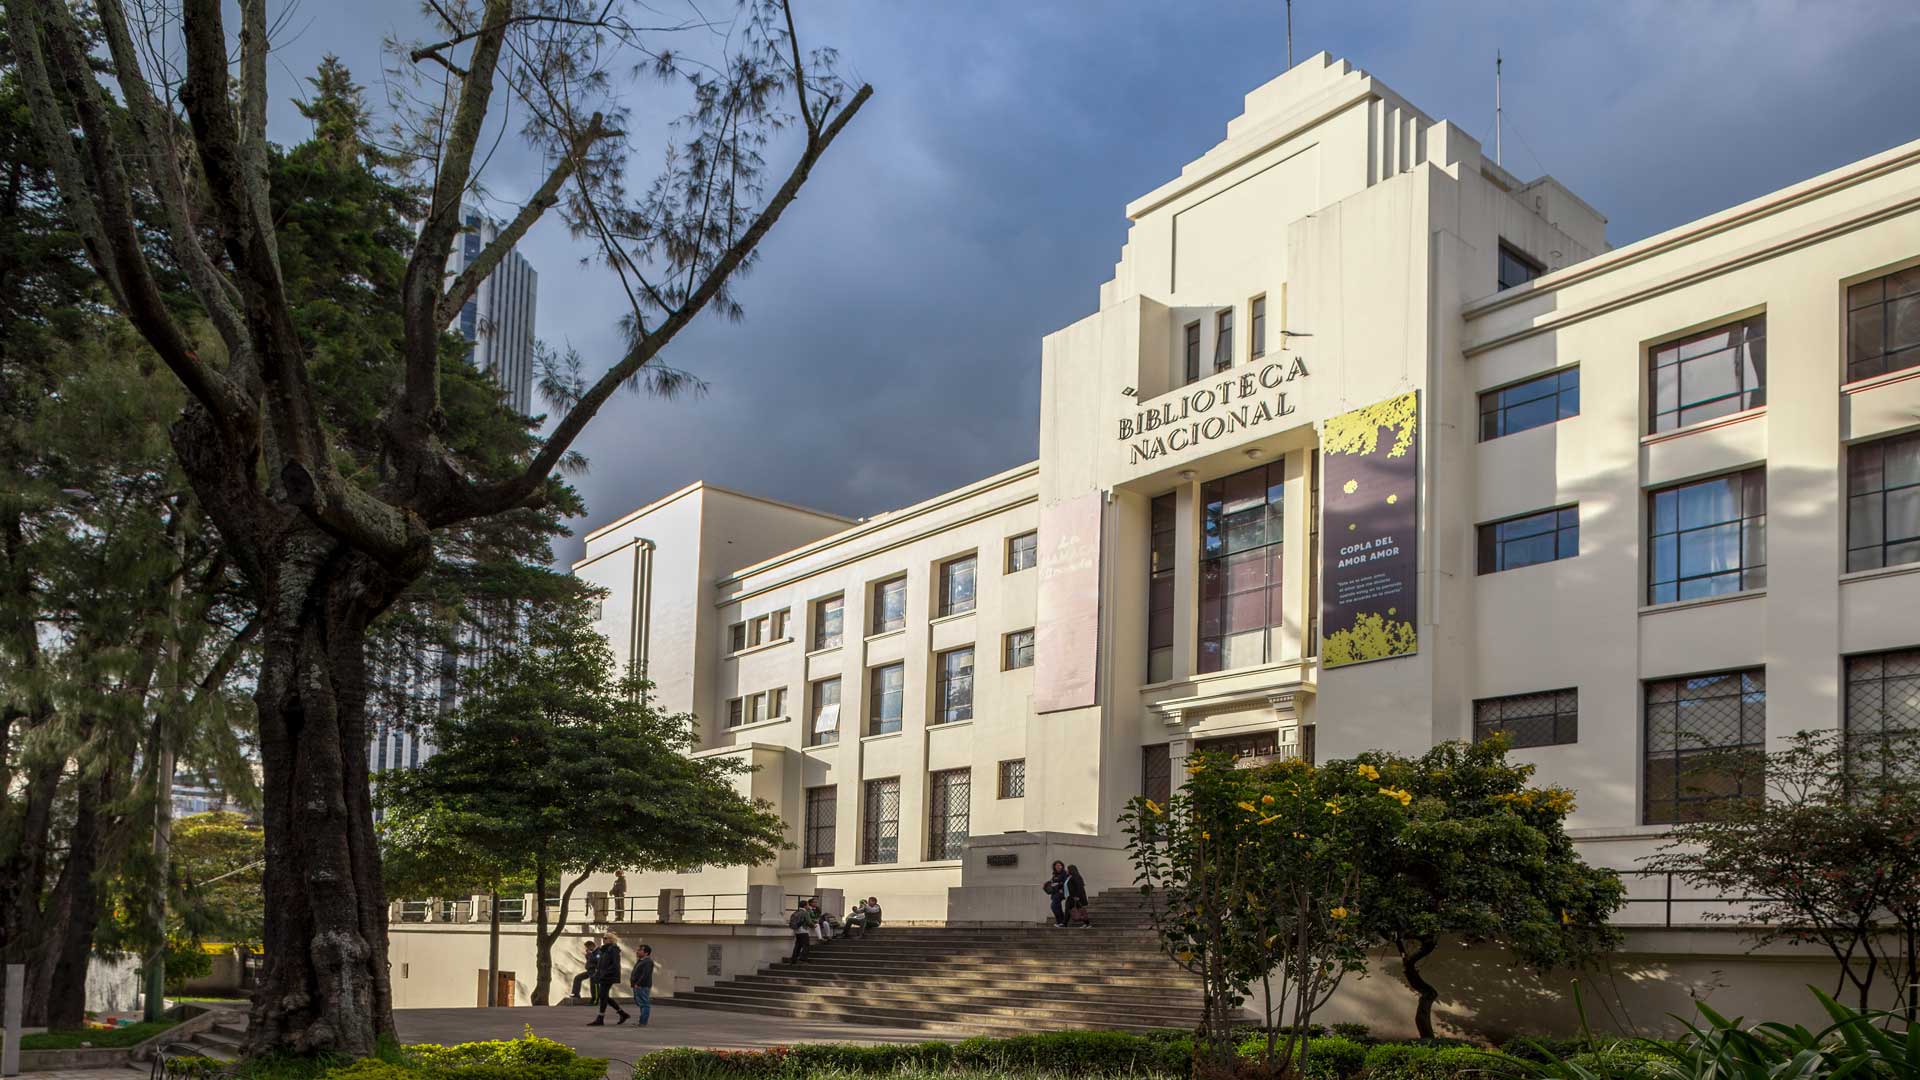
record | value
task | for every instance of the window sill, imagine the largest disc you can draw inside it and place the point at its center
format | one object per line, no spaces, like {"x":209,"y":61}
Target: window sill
{"x":883,"y":635}
{"x":762,"y":647}
{"x":1877,"y":381}
{"x":953,"y":617}
{"x":875,"y":867}
{"x":1714,"y":424}
{"x":1704,"y":601}
{"x":823,"y":650}
{"x":882,"y":735}
{"x":758,"y":724}
{"x":819,"y":746}
{"x":968,"y":722}
{"x":1880,"y":572}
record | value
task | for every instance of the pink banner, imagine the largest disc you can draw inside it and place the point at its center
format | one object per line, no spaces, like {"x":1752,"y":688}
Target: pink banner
{"x":1067,"y":638}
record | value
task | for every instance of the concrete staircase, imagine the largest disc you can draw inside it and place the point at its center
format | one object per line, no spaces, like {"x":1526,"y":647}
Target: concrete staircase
{"x":980,"y":980}
{"x":220,"y":1040}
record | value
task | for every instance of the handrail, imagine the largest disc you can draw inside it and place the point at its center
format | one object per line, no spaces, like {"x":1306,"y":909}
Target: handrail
{"x":1666,"y":899}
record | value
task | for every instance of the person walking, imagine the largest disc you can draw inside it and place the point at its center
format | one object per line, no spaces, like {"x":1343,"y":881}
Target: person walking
{"x":619,"y":896}
{"x":642,"y":984}
{"x":586,"y":968}
{"x":802,"y":936}
{"x":606,"y":975}
{"x":1056,"y":890}
{"x":1077,"y":898}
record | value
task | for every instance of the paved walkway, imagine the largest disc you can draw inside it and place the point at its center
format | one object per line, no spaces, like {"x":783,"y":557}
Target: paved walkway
{"x":669,"y":1027}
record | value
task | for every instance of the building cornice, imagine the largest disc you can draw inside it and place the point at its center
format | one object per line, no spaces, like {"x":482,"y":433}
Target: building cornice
{"x":1705,"y":228}
{"x":869,"y":530}
{"x":701,"y":485}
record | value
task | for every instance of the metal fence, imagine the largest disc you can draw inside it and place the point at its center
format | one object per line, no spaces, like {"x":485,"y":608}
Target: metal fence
{"x":1664,"y":898}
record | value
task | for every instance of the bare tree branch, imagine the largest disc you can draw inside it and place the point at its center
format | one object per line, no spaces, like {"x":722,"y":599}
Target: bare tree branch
{"x":527,"y":488}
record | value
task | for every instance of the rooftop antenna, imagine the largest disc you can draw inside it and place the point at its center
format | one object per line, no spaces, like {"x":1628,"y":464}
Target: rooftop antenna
{"x":1289,"y":35}
{"x":1496,"y":107}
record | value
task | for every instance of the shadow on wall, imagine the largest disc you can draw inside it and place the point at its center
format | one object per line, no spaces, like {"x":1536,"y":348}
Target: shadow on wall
{"x":1642,"y":990}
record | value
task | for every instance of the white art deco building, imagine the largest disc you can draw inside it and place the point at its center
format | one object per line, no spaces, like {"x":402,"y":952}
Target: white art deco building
{"x":1369,"y":444}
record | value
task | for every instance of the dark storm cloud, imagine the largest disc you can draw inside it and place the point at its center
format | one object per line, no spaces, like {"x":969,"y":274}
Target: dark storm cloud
{"x":892,"y":339}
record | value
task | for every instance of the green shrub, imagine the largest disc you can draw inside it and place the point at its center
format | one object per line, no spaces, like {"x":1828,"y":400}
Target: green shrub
{"x":1359,"y":1033}
{"x":1437,"y":1061}
{"x":526,"y":1058}
{"x":373,"y":1069}
{"x":124,"y":1035}
{"x":1076,"y":1053}
{"x":1329,"y":1057}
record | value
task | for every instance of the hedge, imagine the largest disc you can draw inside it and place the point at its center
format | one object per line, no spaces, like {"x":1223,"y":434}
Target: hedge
{"x":527,"y":1058}
{"x":1080,"y":1053}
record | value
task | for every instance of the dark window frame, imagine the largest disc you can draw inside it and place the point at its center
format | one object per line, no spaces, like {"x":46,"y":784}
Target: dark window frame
{"x":1517,"y":407}
{"x":1547,"y":718}
{"x":1222,"y":557}
{"x":1496,"y":538}
{"x":1747,"y":485}
{"x":1874,"y":505}
{"x":1011,"y":782}
{"x":1010,"y":652}
{"x":1222,"y":340}
{"x":1678,"y":354}
{"x":736,"y":712}
{"x":1865,"y":679}
{"x":949,"y":812}
{"x":815,"y":690}
{"x":1162,"y":528}
{"x":881,"y":590}
{"x":880,"y":821}
{"x":948,"y":686}
{"x":1192,"y":351}
{"x":1874,"y":302}
{"x":1531,"y":267}
{"x":1257,"y":327}
{"x":954,"y":599}
{"x":1665,"y":799}
{"x":1023,"y":556}
{"x":1156,"y":772}
{"x":818,"y":837}
{"x":822,"y":639}
{"x":878,"y":723}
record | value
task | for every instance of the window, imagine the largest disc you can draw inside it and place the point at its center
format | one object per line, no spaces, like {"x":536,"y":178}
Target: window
{"x":1255,"y":748}
{"x":779,"y":632}
{"x":1516,"y":268}
{"x":736,"y":637}
{"x":827,"y":624}
{"x":889,"y":691}
{"x":825,"y":710}
{"x":1883,"y":325}
{"x":759,"y":630}
{"x":1708,"y":538}
{"x":1717,"y":373}
{"x":736,"y":712}
{"x":1240,"y":536}
{"x":1257,"y":327}
{"x":948,"y":797}
{"x":956,"y":686}
{"x":756,"y":708}
{"x":1160,"y":591}
{"x":1532,"y":538}
{"x":1883,"y":503}
{"x":1023,"y":552}
{"x":777,"y":701}
{"x":1535,"y":403}
{"x":1193,"y":352}
{"x":880,"y":821}
{"x":956,"y":585}
{"x":1019,"y":649}
{"x":821,"y":812}
{"x":1545,"y":719}
{"x":890,"y":605}
{"x":1156,"y":773}
{"x":1883,"y":701}
{"x":1013,"y":778}
{"x":1705,"y":738}
{"x":1223,"y":339}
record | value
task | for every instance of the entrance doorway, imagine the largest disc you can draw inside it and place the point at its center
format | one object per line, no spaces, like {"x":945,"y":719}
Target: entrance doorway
{"x":503,"y":994}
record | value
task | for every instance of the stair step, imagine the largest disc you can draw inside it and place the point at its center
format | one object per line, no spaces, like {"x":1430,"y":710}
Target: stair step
{"x":1106,"y":991}
{"x":947,"y":1023}
{"x":962,"y":1010}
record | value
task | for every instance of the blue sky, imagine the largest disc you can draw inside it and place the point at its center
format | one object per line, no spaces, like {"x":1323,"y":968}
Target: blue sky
{"x":891,"y":343}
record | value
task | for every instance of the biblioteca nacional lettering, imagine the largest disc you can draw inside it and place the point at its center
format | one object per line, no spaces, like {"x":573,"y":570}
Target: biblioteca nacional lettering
{"x":1513,"y":479}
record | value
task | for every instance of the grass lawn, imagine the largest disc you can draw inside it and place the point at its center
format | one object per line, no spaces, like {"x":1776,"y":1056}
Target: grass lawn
{"x":97,"y":1038}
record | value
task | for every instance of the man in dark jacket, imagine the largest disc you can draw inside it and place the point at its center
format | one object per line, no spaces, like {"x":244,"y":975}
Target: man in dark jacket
{"x":586,"y":970}
{"x":802,"y":933}
{"x":643,"y":984}
{"x":606,"y":974}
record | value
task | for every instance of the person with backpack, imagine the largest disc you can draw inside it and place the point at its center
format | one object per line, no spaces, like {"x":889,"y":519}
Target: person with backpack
{"x":1077,"y":899}
{"x":1056,"y":890}
{"x":802,"y":933}
{"x":642,"y":984}
{"x":606,"y":975}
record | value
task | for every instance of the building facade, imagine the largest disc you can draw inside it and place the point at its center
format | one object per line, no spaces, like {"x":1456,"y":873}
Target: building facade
{"x":1369,"y":445}
{"x":499,"y":319}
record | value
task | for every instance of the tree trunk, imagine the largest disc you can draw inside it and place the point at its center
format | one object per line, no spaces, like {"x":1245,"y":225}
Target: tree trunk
{"x":542,"y":960}
{"x":1410,"y":970}
{"x":493,"y":948}
{"x":325,"y":985}
{"x":68,"y":953}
